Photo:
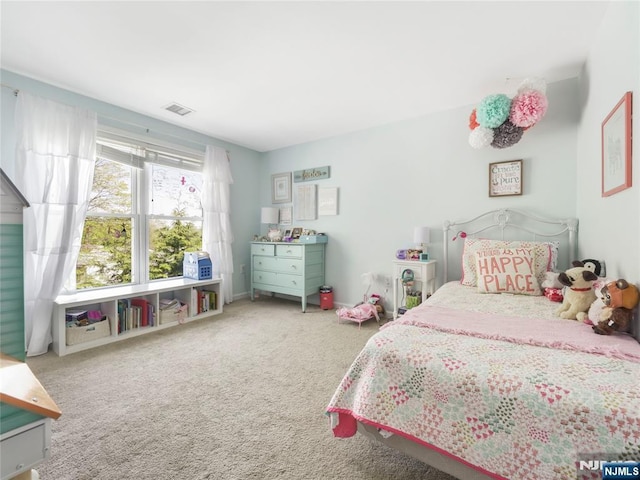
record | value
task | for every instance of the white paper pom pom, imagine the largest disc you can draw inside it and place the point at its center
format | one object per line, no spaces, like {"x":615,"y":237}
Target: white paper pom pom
{"x":481,"y":137}
{"x":533,"y":83}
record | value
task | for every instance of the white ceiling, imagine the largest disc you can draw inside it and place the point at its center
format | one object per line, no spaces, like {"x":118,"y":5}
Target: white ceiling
{"x":271,"y":74}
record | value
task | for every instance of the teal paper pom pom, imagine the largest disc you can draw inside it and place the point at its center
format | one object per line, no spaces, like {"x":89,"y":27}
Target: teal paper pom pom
{"x":493,"y":110}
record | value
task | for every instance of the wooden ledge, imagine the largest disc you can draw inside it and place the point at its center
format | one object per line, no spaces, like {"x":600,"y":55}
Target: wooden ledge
{"x":20,"y":387}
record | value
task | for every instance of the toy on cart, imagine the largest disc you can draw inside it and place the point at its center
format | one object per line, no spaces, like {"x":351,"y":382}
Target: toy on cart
{"x":371,"y":307}
{"x":363,"y":311}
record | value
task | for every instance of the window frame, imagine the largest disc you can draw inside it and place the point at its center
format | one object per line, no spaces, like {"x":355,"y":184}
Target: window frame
{"x":142,"y":156}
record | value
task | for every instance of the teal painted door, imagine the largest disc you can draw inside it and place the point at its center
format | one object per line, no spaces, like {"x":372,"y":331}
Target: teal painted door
{"x":11,"y":291}
{"x":12,"y":315}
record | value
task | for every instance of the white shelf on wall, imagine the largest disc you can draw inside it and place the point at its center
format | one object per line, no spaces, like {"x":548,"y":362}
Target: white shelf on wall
{"x":106,"y":300}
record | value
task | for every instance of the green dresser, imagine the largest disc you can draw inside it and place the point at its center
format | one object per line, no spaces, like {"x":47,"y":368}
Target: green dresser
{"x":295,"y":269}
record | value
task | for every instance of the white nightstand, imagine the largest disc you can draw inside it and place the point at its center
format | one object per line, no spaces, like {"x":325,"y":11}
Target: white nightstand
{"x":423,"y":272}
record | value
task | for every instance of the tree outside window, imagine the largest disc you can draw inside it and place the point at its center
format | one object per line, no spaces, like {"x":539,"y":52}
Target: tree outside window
{"x":130,"y":241}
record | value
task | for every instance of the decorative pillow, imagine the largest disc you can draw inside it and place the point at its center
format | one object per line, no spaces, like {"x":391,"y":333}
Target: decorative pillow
{"x":507,"y":270}
{"x":551,"y":281}
{"x":545,"y":253}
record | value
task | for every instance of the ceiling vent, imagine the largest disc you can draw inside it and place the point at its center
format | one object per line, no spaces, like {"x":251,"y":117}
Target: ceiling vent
{"x":178,"y":109}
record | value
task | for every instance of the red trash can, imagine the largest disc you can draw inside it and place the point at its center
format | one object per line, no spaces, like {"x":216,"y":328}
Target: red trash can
{"x":326,"y":297}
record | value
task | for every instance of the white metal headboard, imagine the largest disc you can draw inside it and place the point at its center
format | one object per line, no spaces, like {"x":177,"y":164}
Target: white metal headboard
{"x":504,"y":223}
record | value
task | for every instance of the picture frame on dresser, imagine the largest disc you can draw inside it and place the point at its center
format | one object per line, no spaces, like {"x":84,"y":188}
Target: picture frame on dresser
{"x":616,"y":148}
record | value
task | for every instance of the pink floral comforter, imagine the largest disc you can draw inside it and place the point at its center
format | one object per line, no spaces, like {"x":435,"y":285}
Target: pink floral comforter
{"x":519,"y":402}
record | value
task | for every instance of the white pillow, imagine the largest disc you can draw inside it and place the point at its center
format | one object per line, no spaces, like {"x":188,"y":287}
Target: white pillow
{"x":545,"y":253}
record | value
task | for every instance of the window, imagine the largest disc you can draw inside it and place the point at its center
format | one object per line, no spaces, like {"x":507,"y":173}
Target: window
{"x":175,"y":219}
{"x":106,"y":252}
{"x":144,"y":212}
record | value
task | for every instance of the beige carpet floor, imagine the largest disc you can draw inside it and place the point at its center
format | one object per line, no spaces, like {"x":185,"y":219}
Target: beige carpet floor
{"x":238,"y":396}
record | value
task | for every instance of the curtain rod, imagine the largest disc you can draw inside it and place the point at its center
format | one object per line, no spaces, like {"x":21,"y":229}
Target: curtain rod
{"x":15,"y":90}
{"x":132,"y":124}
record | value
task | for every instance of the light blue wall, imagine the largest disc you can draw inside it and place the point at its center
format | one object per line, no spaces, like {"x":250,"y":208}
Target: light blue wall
{"x":421,"y":172}
{"x":245,"y":163}
{"x":610,"y":225}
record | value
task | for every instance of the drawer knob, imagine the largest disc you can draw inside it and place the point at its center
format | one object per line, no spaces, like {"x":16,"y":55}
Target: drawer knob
{"x":289,"y":251}
{"x":293,"y":266}
{"x":294,"y":282}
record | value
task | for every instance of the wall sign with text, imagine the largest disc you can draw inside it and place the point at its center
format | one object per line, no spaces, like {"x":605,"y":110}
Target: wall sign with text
{"x":505,"y":178}
{"x":317,"y":173}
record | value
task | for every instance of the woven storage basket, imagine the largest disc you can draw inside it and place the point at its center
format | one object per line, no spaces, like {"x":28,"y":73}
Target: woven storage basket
{"x":87,"y":333}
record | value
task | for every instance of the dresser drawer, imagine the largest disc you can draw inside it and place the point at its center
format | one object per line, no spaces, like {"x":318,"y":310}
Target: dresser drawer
{"x":277,"y":264}
{"x":289,"y":251}
{"x":265,"y":249}
{"x":418,"y":269}
{"x":264,"y":277}
{"x":289,"y":281}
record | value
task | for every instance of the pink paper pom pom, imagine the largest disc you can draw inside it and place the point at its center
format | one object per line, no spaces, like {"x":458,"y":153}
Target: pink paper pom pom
{"x":528,"y":108}
{"x":481,"y":137}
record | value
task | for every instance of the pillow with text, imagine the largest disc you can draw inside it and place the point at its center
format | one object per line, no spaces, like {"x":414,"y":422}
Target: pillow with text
{"x":545,"y":253}
{"x":507,"y":270}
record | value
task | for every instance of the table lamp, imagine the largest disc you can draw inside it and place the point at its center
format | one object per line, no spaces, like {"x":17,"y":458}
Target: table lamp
{"x":271,"y":216}
{"x":421,"y":237}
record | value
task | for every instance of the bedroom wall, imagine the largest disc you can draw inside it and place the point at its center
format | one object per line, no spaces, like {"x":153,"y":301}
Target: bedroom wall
{"x":244,"y":162}
{"x":421,"y":172}
{"x":610,"y":226}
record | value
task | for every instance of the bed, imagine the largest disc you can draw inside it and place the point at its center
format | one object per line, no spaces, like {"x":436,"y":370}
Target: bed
{"x":485,"y":385}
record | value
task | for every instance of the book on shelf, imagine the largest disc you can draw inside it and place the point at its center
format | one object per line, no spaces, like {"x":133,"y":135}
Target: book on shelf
{"x":151,"y":314}
{"x":206,"y":300}
{"x":129,"y":315}
{"x":144,"y":310}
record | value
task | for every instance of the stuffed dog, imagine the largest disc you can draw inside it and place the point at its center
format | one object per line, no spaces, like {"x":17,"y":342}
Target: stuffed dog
{"x":579,"y":295}
{"x":620,"y":298}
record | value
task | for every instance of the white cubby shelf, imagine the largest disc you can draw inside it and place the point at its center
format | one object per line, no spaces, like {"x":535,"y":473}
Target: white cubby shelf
{"x":106,"y":301}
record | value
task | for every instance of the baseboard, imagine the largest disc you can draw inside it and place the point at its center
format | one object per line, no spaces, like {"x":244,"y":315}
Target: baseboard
{"x":240,"y":296}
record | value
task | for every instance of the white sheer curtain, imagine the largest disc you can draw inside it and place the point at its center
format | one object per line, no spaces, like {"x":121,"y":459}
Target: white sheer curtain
{"x":216,"y":229}
{"x":55,"y":159}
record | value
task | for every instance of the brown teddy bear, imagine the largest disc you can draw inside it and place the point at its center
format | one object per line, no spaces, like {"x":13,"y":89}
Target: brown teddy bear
{"x":579,"y":295}
{"x":620,"y":298}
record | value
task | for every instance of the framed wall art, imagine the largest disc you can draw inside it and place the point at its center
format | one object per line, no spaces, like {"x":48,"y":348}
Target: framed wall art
{"x":286,"y":215}
{"x":616,"y":148}
{"x":304,"y":202}
{"x":281,"y":187}
{"x":505,"y":178}
{"x":328,"y":201}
